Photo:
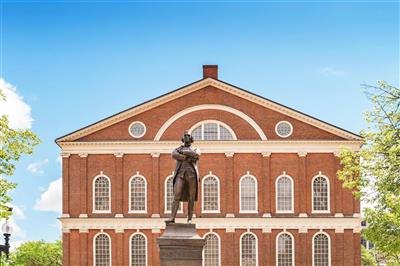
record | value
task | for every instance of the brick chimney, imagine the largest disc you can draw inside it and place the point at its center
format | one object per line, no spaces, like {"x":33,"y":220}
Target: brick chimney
{"x":210,"y":71}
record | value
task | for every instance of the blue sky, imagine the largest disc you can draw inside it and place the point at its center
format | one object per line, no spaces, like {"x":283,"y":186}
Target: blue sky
{"x":77,"y":62}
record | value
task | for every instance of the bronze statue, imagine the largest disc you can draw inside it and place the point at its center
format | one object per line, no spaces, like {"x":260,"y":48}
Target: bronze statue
{"x":185,"y":176}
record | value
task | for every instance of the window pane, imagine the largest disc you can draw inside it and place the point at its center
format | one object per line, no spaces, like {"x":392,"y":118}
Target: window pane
{"x":249,"y":250}
{"x":102,"y":250}
{"x":321,"y":250}
{"x":210,"y":131}
{"x":224,"y":133}
{"x":284,"y":194}
{"x":320,"y":192}
{"x":211,"y":251}
{"x":211,"y":197}
{"x":138,"y":249}
{"x":196,"y":133}
{"x":285,"y":250}
{"x":102,"y":194}
{"x":248,"y":194}
{"x":138,"y":194}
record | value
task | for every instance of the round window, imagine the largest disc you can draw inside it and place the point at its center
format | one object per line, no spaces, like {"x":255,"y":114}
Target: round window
{"x":284,"y":129}
{"x":137,"y":129}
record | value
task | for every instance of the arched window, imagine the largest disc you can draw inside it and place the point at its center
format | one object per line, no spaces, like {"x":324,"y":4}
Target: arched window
{"x":321,"y":249}
{"x":212,"y":130}
{"x":248,"y":250}
{"x":101,"y":194}
{"x":169,"y":195}
{"x":210,"y":194}
{"x":211,"y":250}
{"x":102,"y":250}
{"x":284,"y":194}
{"x":248,"y":193}
{"x":137,"y":194}
{"x":284,"y":250}
{"x":138,"y":250}
{"x":320,"y":194}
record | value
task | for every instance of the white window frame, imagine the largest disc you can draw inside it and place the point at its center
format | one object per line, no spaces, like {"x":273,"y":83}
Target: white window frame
{"x":165,"y":196}
{"x":219,"y":123}
{"x":202,"y":194}
{"x":281,"y":122}
{"x":240,"y":246}
{"x":312,"y":194}
{"x":94,"y":246}
{"x":276,"y":194}
{"x":137,"y":122}
{"x":240,"y":194}
{"x":145,"y":194}
{"x":94,"y":194}
{"x":277,"y":248}
{"x":219,"y":247}
{"x":329,"y":246}
{"x":130,"y":247}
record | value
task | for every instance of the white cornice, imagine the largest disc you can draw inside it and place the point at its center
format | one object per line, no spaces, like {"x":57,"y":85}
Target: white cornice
{"x":214,"y":223}
{"x":199,"y":85}
{"x":229,"y":147}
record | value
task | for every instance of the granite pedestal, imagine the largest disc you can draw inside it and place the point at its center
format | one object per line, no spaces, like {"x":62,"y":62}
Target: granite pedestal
{"x":180,"y":245}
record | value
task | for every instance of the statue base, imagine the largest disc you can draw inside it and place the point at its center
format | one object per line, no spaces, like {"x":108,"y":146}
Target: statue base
{"x":180,"y":245}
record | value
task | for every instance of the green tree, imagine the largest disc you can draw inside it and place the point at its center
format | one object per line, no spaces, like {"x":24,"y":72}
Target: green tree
{"x":37,"y":253}
{"x":13,"y":143}
{"x":374,"y":172}
{"x":367,"y":257}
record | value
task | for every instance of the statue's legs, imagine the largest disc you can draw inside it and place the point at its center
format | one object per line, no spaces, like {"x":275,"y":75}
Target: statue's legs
{"x":191,"y":180}
{"x":178,"y":189}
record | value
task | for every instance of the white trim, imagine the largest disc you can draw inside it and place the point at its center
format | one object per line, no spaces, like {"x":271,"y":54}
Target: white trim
{"x":329,"y":246}
{"x":240,"y":194}
{"x":145,"y":194}
{"x":130,"y":246}
{"x":240,"y":246}
{"x":312,"y":194}
{"x":276,"y":194}
{"x":219,"y":123}
{"x":165,"y":197}
{"x":219,"y":246}
{"x":93,"y":194}
{"x":281,"y":122}
{"x":197,"y":86}
{"x":238,"y":146}
{"x":94,"y":246}
{"x":191,"y":109}
{"x":277,"y":249}
{"x":202,"y":194}
{"x":137,"y":122}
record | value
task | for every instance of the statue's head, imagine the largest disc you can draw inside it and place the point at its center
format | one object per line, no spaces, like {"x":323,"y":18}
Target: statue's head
{"x":187,"y":139}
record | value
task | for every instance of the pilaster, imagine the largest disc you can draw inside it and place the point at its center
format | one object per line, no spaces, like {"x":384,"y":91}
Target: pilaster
{"x":119,"y":161}
{"x":65,"y":181}
{"x":230,"y":187}
{"x":265,"y":200}
{"x":83,"y":178}
{"x":303,"y":191}
{"x":156,"y":184}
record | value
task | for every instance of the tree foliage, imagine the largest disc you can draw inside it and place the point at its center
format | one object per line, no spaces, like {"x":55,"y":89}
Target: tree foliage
{"x":13,"y":143}
{"x":374,"y":172}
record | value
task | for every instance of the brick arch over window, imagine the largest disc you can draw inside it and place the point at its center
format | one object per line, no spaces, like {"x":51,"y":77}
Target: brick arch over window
{"x":191,"y":109}
{"x":212,"y":130}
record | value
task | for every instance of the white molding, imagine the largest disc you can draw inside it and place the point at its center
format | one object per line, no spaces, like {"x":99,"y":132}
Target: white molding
{"x":83,"y":215}
{"x":303,"y":214}
{"x":129,"y":194}
{"x":65,"y":154}
{"x":219,"y":123}
{"x":94,"y":246}
{"x":302,"y":153}
{"x":83,"y":155}
{"x":267,"y":215}
{"x":215,"y":223}
{"x":229,"y":154}
{"x":130,"y":246}
{"x":277,"y":249}
{"x":109,"y":194}
{"x":240,"y":194}
{"x":199,"y":85}
{"x":276,"y":129}
{"x":276,"y":193}
{"x":240,"y":146}
{"x":339,"y":214}
{"x":180,"y":210}
{"x":65,"y":215}
{"x":119,"y":215}
{"x":202,"y":194}
{"x":119,"y":154}
{"x":240,"y":245}
{"x":137,"y":122}
{"x":329,"y":247}
{"x":266,"y":154}
{"x":303,"y":230}
{"x":195,"y":108}
{"x":312,"y":194}
{"x":155,"y":154}
{"x":219,"y":246}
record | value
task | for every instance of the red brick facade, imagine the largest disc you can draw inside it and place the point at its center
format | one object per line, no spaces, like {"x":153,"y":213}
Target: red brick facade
{"x":110,"y":150}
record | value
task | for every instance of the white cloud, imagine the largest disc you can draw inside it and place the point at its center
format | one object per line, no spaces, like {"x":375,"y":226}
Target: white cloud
{"x":18,"y":112}
{"x":50,"y":200}
{"x":18,"y":213}
{"x":331,"y":71}
{"x":14,"y":244}
{"x":37,"y":167}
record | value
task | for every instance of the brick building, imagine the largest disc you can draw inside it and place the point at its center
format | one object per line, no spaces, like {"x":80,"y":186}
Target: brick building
{"x":268,"y":192}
